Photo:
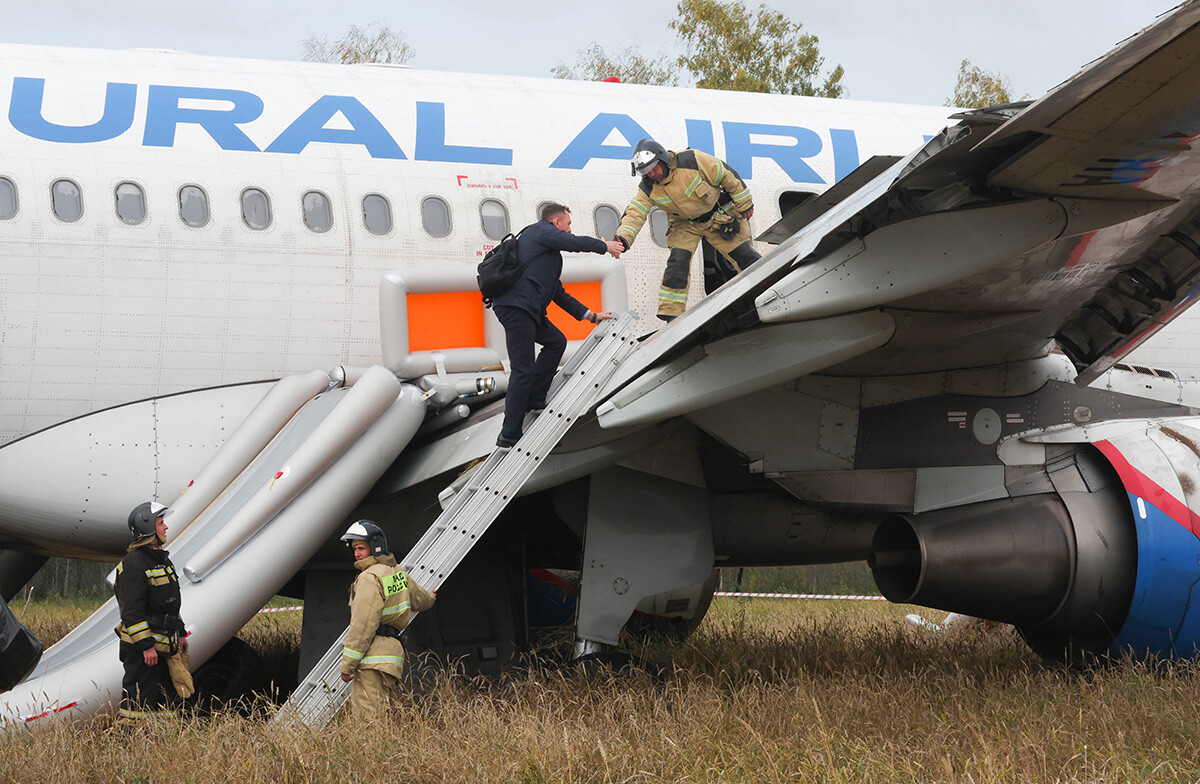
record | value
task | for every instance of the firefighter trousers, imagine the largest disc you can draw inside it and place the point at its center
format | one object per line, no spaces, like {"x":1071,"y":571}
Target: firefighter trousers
{"x":372,"y":693}
{"x":146,"y":690}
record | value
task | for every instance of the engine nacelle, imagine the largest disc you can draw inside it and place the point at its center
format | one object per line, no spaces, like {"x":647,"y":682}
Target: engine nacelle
{"x":1104,"y":562}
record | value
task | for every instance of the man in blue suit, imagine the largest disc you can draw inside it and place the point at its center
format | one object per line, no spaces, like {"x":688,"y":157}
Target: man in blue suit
{"x":522,"y":312}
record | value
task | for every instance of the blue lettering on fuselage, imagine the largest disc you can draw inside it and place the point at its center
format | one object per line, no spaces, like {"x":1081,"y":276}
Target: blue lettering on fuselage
{"x":364,"y":129}
{"x":164,"y":114}
{"x":740,"y":152}
{"x":25,"y":114}
{"x":845,"y":152}
{"x":222,"y":121}
{"x":700,"y":136}
{"x":589,"y":143}
{"x":431,"y":141}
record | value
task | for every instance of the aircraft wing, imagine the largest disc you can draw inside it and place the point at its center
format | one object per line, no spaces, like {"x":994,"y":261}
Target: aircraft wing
{"x":1073,"y":220}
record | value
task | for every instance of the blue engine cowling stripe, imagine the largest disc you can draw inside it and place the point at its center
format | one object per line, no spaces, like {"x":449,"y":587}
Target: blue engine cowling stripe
{"x":1162,"y":620}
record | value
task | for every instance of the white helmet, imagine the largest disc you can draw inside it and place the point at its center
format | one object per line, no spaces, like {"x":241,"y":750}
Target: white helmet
{"x":367,"y":531}
{"x":648,"y":153}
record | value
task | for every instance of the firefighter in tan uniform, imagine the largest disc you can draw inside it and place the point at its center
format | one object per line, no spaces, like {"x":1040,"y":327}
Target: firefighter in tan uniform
{"x":382,"y":601}
{"x":704,"y":199}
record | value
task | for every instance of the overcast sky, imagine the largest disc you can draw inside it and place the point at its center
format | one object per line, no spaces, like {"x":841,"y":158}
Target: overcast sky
{"x":907,"y":52}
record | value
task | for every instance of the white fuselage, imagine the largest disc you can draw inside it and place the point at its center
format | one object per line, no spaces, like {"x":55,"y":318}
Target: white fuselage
{"x":99,"y":311}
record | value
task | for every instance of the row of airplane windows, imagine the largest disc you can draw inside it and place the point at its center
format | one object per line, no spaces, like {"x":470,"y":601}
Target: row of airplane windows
{"x":66,"y":201}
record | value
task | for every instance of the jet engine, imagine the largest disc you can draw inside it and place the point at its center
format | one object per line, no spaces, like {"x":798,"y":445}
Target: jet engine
{"x":1096,"y":556}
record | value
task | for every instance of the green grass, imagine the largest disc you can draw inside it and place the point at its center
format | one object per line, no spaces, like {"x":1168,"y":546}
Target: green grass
{"x":765,"y":691}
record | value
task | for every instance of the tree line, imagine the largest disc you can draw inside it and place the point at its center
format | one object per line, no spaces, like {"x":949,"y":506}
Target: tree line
{"x":63,"y":578}
{"x":725,"y":46}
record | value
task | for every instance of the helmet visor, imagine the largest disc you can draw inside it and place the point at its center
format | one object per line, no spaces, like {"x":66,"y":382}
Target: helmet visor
{"x":644,"y":161}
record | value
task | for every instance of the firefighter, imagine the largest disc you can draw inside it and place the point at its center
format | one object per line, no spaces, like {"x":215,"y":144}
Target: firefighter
{"x":382,"y":601}
{"x":704,"y":199}
{"x":151,"y":630}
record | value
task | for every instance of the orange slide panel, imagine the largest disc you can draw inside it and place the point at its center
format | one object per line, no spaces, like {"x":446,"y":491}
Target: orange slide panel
{"x":588,"y":293}
{"x":450,"y":319}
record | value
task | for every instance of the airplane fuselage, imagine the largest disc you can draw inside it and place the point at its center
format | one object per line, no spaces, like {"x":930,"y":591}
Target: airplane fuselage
{"x":182,"y":222}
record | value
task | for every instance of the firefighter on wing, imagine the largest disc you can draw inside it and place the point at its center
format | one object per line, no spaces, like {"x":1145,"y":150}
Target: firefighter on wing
{"x":704,"y":199}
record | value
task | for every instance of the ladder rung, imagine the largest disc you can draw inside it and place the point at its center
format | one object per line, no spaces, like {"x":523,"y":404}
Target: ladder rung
{"x":484,"y":493}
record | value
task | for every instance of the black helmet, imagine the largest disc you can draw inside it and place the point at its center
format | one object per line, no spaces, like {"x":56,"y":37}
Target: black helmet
{"x":368,"y":532}
{"x":143,"y":517}
{"x":647,"y":153}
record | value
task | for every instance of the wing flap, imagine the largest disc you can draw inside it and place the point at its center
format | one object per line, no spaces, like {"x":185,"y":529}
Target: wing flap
{"x":1116,"y":126}
{"x":812,"y":209}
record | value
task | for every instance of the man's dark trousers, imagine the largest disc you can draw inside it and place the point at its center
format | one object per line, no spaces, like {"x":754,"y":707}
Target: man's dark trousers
{"x":529,"y":380}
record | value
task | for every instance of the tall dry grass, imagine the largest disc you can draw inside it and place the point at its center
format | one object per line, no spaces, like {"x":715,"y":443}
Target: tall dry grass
{"x":765,"y":691}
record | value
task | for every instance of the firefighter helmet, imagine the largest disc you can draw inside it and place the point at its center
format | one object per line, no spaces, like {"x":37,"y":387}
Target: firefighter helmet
{"x":648,"y":153}
{"x":368,"y":532}
{"x":143,"y":518}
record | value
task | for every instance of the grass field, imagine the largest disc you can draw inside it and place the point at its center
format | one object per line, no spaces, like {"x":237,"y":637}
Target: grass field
{"x":765,"y":691}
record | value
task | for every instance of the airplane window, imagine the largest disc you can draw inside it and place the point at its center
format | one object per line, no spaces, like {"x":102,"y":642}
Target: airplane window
{"x":435,"y":216}
{"x":494,"y":216}
{"x":658,"y":227}
{"x":790,"y":200}
{"x":377,"y":214}
{"x":256,"y":209}
{"x":193,"y":205}
{"x":318,"y":214}
{"x":608,"y":220}
{"x":131,"y":203}
{"x":67,"y":200}
{"x":8,"y":198}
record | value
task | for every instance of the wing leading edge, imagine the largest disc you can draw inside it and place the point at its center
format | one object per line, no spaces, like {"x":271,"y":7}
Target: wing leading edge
{"x":1073,"y":219}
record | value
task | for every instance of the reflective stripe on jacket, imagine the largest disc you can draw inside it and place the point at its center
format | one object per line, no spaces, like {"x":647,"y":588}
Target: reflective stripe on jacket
{"x":382,"y":594}
{"x":690,"y":191}
{"x":147,"y":592}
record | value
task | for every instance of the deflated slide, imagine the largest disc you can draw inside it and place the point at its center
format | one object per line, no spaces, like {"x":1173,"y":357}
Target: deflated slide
{"x":281,"y":485}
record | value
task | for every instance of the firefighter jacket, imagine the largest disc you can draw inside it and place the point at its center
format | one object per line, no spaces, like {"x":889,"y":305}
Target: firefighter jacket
{"x":698,"y":187}
{"x":540,"y":248}
{"x":147,"y":592}
{"x":383,"y":595}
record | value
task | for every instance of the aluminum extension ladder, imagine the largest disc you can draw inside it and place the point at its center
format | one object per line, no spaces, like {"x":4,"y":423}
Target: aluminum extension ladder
{"x":475,"y":500}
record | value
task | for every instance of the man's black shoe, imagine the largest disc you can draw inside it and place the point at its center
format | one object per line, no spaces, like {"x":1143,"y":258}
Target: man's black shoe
{"x":504,"y":442}
{"x":537,"y":405}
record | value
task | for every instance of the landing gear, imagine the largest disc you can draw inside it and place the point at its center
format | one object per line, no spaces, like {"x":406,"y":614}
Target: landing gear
{"x":646,"y":535}
{"x":227,"y":677}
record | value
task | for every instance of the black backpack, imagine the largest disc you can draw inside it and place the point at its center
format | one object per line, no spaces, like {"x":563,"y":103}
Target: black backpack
{"x":500,"y":269}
